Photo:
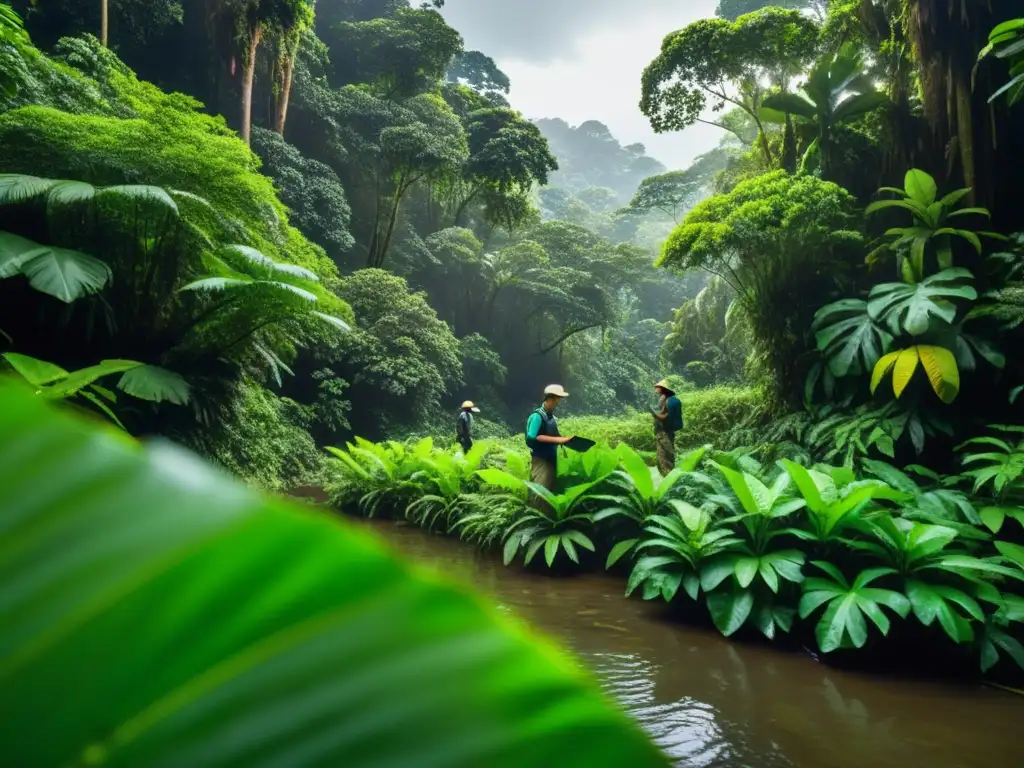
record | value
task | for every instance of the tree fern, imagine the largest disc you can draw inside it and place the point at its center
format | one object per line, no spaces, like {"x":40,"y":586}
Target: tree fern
{"x":18,"y":188}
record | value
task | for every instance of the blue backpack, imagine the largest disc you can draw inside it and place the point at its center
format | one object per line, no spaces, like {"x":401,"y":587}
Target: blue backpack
{"x":675,"y":414}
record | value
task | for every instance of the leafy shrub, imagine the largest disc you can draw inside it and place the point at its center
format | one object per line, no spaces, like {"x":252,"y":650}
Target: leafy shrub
{"x":310,"y":189}
{"x":994,"y":467}
{"x":774,"y":549}
{"x":708,"y":415}
{"x":264,"y":440}
{"x":919,"y":334}
{"x":123,"y":261}
{"x":778,"y":241}
{"x":400,"y":359}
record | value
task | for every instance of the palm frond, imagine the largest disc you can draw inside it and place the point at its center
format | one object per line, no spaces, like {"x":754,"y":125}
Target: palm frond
{"x":337,"y":322}
{"x":19,"y":188}
{"x":215,"y":284}
{"x":142,"y":193}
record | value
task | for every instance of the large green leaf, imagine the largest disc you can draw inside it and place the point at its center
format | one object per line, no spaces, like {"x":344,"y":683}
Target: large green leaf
{"x":83,"y":377}
{"x":18,"y":188}
{"x":1014,"y":552}
{"x":809,"y":483}
{"x":730,"y":609}
{"x":637,"y":470}
{"x":849,"y":337}
{"x":205,"y":625}
{"x":843,"y":623}
{"x":14,"y":250}
{"x":859,"y":104}
{"x":937,"y":601}
{"x":911,"y":307}
{"x":150,"y":382}
{"x":64,"y":274}
{"x":751,"y":492}
{"x":36,"y":372}
{"x":920,"y":187}
{"x":793,"y":104}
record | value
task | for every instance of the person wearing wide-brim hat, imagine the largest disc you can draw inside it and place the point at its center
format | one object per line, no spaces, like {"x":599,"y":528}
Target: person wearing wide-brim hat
{"x":668,"y":420}
{"x":543,"y":438}
{"x":464,"y":425}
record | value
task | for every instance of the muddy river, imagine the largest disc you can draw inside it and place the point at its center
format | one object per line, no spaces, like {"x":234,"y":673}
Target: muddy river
{"x":711,"y":702}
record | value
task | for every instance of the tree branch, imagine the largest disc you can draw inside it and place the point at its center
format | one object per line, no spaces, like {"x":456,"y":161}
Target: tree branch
{"x":724,"y":127}
{"x":561,"y":339}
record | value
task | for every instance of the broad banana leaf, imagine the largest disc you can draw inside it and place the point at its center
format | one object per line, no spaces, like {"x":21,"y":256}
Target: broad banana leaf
{"x":155,"y":613}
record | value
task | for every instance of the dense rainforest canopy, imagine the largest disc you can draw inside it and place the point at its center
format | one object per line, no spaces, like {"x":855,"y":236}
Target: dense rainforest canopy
{"x":357,"y":156}
{"x":329,"y":219}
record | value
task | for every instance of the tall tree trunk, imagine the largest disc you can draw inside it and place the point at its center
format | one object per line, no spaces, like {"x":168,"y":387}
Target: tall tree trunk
{"x":961,"y":86}
{"x":789,"y":146}
{"x":247,"y":81}
{"x":287,"y":72}
{"x":946,"y":38}
{"x":766,"y":149}
{"x":463,"y":206}
{"x":385,"y":245}
{"x":104,"y":22}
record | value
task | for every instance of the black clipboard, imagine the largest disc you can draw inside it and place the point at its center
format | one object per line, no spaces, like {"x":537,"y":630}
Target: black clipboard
{"x":580,"y":444}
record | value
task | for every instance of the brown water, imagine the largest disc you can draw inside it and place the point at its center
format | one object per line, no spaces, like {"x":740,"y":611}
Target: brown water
{"x":711,"y":702}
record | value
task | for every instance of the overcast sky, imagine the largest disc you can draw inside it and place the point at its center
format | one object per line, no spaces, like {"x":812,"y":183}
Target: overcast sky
{"x":582,"y":60}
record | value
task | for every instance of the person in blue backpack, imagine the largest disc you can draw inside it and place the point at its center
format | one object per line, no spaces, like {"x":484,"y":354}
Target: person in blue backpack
{"x":543,"y":439}
{"x":464,"y":425}
{"x":668,"y":420}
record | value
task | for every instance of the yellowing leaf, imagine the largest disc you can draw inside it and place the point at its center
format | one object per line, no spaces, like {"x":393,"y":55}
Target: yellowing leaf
{"x":940,"y":365}
{"x":882,"y":368}
{"x":903,"y":371}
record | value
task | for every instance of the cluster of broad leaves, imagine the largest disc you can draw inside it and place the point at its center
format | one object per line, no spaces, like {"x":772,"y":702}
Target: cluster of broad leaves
{"x":846,"y":552}
{"x":291,"y":617}
{"x":932,"y":325}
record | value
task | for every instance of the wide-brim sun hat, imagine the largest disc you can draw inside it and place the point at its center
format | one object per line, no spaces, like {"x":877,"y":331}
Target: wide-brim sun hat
{"x":556,"y":390}
{"x":664,"y":384}
{"x":469,"y":404}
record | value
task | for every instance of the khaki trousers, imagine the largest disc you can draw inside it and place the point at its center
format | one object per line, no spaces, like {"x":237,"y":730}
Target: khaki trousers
{"x":543,"y":473}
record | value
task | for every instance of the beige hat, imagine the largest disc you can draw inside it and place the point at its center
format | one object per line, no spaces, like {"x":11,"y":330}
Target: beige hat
{"x":664,"y":384}
{"x":556,"y":390}
{"x":469,"y":404}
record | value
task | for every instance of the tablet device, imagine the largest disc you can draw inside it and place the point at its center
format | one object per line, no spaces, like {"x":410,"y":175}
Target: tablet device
{"x":580,"y":444}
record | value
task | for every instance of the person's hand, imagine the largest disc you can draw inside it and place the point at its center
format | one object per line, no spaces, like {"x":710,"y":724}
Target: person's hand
{"x":566,"y":440}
